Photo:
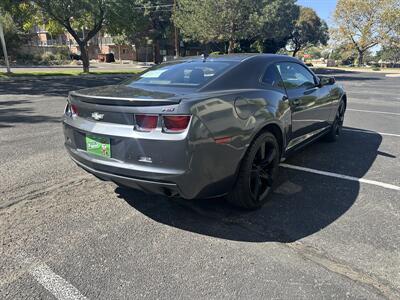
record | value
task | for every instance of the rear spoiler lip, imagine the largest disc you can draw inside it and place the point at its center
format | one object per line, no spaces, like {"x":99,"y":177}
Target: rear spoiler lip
{"x":107,"y":100}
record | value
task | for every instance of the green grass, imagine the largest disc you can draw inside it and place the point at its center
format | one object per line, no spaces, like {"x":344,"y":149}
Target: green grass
{"x":66,"y":73}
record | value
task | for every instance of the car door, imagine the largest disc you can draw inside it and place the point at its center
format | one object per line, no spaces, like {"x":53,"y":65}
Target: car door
{"x":309,"y":108}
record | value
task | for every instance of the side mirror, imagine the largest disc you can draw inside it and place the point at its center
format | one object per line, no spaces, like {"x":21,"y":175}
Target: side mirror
{"x":326,"y":80}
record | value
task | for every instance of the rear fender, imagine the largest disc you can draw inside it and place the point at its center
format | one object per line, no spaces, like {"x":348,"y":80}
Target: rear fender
{"x":237,"y":120}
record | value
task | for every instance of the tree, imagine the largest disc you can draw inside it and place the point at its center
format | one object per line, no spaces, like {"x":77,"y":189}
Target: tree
{"x":10,"y":30}
{"x":127,"y":19}
{"x":217,"y":20}
{"x":158,"y":14}
{"x":366,"y":23}
{"x":21,"y":11}
{"x":308,"y":30}
{"x":315,"y":52}
{"x":26,"y":15}
{"x":249,"y":25}
{"x":141,"y":21}
{"x":120,"y":40}
{"x":276,"y":21}
{"x":13,"y":15}
{"x":389,"y":54}
{"x":76,"y":14}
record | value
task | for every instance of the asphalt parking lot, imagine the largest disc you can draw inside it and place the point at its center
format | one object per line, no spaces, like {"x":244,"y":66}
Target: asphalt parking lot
{"x":67,"y":235}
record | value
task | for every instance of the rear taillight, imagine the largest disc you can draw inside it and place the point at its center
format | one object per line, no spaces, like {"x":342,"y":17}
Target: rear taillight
{"x":146,"y":122}
{"x":175,"y":123}
{"x":170,"y":123}
{"x":74,"y":109}
{"x":71,"y":110}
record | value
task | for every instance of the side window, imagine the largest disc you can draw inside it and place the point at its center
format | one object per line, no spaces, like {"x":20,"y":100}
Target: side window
{"x":295,"y":75}
{"x":272,"y":78}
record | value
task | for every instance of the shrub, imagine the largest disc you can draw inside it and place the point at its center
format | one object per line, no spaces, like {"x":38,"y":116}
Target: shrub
{"x":62,"y":54}
{"x":25,"y":57}
{"x":28,"y":59}
{"x":47,"y":58}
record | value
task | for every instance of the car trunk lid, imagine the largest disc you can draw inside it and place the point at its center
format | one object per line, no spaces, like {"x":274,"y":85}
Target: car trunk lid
{"x":119,"y":103}
{"x":124,"y":95}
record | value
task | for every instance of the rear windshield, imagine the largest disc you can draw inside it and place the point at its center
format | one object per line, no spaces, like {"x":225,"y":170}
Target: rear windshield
{"x":190,"y":74}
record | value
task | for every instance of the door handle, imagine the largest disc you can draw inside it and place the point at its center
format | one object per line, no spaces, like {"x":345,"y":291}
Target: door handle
{"x":296,"y":101}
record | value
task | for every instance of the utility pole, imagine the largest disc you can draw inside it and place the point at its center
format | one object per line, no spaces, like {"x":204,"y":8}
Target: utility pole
{"x":3,"y":45}
{"x":176,"y":42}
{"x":176,"y":36}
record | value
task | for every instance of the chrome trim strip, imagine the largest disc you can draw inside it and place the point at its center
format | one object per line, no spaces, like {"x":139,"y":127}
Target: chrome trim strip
{"x":304,"y":137}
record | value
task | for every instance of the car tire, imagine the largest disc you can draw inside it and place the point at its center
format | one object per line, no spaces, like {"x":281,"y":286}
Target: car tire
{"x":257,"y":173}
{"x":336,"y":128}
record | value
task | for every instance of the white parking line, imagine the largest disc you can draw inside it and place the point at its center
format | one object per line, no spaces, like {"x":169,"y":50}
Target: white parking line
{"x":55,"y":284}
{"x":392,"y":75}
{"x":341,"y":176}
{"x":371,"y":132}
{"x":374,"y":111}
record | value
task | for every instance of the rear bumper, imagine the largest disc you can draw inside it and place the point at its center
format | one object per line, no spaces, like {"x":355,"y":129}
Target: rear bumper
{"x":190,"y":166}
{"x":161,"y":188}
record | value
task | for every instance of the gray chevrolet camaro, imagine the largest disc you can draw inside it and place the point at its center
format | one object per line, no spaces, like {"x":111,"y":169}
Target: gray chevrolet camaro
{"x":199,"y":128}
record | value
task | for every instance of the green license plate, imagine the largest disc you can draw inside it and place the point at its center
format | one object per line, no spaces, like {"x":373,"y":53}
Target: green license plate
{"x":98,"y":145}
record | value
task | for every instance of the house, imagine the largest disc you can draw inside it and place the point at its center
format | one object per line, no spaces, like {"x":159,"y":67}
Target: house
{"x":104,"y":44}
{"x":43,"y":41}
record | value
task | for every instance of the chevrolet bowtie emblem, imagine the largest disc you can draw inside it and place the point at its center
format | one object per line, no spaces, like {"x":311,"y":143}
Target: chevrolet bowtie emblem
{"x":97,"y":116}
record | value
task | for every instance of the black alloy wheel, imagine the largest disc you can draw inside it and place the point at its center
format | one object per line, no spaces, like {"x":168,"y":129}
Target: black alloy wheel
{"x":257,"y":173}
{"x":336,"y":128}
{"x":340,"y":118}
{"x":261,"y":174}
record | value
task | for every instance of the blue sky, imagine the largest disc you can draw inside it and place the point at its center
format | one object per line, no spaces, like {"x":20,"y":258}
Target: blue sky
{"x":324,"y":8}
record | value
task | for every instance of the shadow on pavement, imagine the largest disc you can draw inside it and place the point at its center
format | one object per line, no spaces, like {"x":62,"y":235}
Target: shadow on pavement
{"x":356,"y":78}
{"x":345,"y":75}
{"x":301,"y":205}
{"x":54,"y":86}
{"x":39,"y":67}
{"x":11,"y":116}
{"x":332,"y":71}
{"x":9,"y":103}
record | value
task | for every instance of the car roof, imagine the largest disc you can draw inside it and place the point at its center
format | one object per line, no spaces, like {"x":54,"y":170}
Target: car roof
{"x":239,"y":57}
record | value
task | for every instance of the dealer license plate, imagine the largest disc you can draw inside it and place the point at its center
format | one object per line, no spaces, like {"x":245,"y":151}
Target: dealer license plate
{"x":98,"y":145}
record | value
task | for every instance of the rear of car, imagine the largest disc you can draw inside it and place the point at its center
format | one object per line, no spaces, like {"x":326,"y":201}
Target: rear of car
{"x":146,"y":133}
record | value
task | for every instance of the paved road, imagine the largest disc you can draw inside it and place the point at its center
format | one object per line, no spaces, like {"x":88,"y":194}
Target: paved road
{"x":67,"y":235}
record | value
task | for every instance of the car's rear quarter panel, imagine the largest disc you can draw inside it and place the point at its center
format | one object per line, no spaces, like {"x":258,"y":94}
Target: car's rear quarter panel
{"x":236,"y":117}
